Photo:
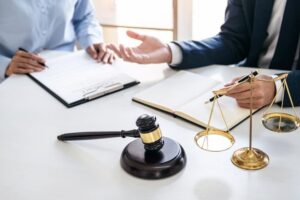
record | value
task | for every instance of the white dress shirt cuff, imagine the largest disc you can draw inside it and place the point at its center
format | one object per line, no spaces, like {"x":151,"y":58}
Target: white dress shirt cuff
{"x":176,"y":54}
{"x":279,"y":92}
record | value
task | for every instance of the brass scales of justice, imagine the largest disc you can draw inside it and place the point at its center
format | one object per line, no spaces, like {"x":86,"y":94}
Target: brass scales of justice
{"x":248,"y":158}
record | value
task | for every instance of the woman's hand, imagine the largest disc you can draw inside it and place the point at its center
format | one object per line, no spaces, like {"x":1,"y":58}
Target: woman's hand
{"x":24,"y":63}
{"x":100,"y":53}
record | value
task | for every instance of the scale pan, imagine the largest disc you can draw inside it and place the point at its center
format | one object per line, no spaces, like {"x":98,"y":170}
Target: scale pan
{"x":280,"y":122}
{"x":214,"y":140}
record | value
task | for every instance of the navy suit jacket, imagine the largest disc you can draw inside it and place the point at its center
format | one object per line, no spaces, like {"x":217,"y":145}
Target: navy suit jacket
{"x":241,"y":40}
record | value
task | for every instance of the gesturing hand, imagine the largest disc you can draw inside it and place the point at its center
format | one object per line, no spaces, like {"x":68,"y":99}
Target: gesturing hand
{"x":151,"y":50}
{"x":24,"y":62}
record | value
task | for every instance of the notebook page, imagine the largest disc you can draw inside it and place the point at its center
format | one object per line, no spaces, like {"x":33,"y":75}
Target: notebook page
{"x":176,"y":90}
{"x":198,"y":112}
{"x":74,"y":75}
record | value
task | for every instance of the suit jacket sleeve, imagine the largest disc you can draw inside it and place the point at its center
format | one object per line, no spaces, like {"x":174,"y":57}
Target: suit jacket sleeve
{"x":293,"y":82}
{"x":230,"y":46}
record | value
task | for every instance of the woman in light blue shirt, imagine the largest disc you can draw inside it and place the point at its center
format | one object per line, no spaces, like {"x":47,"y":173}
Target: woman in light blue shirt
{"x":37,"y":25}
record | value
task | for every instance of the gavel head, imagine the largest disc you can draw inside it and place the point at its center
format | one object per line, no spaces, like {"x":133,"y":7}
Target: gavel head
{"x":150,"y":132}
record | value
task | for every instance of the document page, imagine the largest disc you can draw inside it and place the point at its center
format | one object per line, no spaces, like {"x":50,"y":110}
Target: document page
{"x":199,"y":112}
{"x":175,"y":91}
{"x":76,"y":76}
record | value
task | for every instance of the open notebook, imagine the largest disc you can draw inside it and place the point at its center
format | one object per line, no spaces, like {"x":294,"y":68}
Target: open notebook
{"x":76,"y":78}
{"x":184,"y":95}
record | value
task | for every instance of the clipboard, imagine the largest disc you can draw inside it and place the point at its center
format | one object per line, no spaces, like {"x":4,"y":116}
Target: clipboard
{"x":75,"y":79}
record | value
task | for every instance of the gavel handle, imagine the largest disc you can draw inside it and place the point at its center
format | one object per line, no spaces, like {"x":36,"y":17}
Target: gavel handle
{"x":97,"y":135}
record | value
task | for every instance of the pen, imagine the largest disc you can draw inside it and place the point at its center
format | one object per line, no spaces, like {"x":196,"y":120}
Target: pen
{"x":43,"y":64}
{"x":242,"y":79}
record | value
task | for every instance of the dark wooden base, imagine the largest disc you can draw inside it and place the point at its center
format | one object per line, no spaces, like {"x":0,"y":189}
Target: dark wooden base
{"x":153,"y":165}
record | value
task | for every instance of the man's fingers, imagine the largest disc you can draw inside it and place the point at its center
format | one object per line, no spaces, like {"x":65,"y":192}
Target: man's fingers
{"x":241,"y":95}
{"x":228,"y":84}
{"x":136,"y":36}
{"x":242,"y":87}
{"x":247,"y":94}
{"x":124,"y":54}
{"x":247,"y":105}
{"x":244,"y":105}
{"x":262,"y":93}
{"x":238,"y":89}
{"x":132,"y":55}
{"x":248,"y":100}
{"x":232,"y":82}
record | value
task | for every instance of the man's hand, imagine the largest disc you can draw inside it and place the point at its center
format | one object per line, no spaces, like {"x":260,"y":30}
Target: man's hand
{"x":264,"y":91}
{"x":24,"y":63}
{"x":100,"y":53}
{"x":151,"y":50}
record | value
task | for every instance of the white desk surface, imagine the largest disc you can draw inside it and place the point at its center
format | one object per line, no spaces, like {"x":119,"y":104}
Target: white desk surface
{"x":35,"y":166}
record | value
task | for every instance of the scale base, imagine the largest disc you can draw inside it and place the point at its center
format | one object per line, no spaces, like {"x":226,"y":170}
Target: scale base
{"x":153,"y":165}
{"x":250,"y":159}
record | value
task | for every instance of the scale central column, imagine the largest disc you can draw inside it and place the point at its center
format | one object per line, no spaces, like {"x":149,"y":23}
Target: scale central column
{"x":250,"y":158}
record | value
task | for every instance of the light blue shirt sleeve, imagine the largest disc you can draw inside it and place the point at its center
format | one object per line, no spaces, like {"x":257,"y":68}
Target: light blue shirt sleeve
{"x":87,"y":28}
{"x":46,"y":25}
{"x":4,"y":62}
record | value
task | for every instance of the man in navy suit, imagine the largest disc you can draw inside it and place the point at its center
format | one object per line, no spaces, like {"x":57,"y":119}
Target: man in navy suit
{"x":256,"y":33}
